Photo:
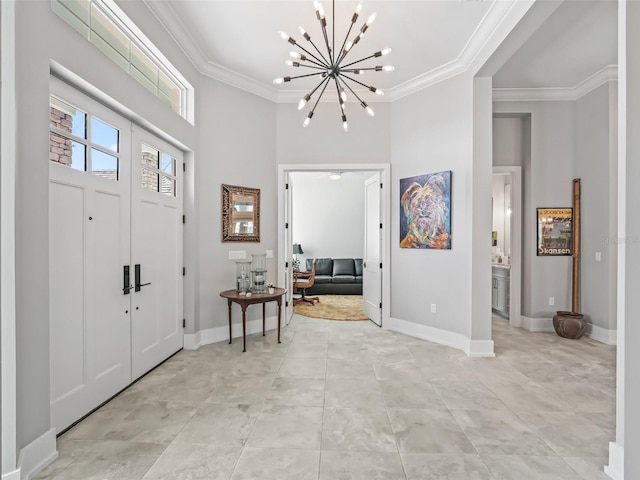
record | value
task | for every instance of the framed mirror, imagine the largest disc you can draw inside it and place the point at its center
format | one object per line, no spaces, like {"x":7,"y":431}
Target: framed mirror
{"x":240,"y":214}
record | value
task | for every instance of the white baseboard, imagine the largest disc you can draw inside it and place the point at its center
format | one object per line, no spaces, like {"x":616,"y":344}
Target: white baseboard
{"x":220,"y":334}
{"x":615,"y":469}
{"x":480,"y":348}
{"x":608,"y":337}
{"x":37,"y":455}
{"x":473,"y":348}
{"x":537,"y":324}
{"x":14,"y":475}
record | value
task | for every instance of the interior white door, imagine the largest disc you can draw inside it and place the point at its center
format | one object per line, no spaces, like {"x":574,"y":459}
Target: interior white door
{"x":156,"y":251}
{"x":89,"y":221}
{"x":372,"y":267}
{"x":288,"y":247}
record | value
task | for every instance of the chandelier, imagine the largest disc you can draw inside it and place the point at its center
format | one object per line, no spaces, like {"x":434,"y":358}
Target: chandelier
{"x":331,"y":66}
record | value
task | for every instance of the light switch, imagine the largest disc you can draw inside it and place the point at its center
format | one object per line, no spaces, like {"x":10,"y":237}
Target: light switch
{"x":269,"y":253}
{"x":237,"y":255}
{"x":598,"y":256}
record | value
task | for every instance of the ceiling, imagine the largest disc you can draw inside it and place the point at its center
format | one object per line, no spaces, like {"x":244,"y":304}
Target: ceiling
{"x":236,"y":41}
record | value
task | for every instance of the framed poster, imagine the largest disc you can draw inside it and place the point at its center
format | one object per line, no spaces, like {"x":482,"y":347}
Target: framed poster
{"x":425,"y":211}
{"x":555,"y":231}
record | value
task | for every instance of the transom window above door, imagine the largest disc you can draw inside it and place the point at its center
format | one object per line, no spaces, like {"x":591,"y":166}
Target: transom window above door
{"x":158,"y":171}
{"x":79,"y":140}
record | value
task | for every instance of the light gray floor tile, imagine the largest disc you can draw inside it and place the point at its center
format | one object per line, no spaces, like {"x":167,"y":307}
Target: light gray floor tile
{"x":220,"y":424}
{"x":157,"y":422}
{"x":569,"y":434}
{"x":467,"y":395}
{"x":307,"y":350}
{"x":104,"y":460}
{"x":428,"y":431}
{"x":500,"y":432}
{"x":303,"y":368}
{"x":398,"y":393}
{"x":357,"y":430}
{"x":439,"y":466}
{"x":281,"y":464}
{"x":360,"y":466}
{"x":347,"y":368}
{"x":589,"y":468}
{"x":239,"y":389}
{"x":281,"y":426}
{"x":363,"y":393}
{"x":297,"y":391}
{"x":519,"y":467}
{"x":195,"y":462}
{"x":340,"y":351}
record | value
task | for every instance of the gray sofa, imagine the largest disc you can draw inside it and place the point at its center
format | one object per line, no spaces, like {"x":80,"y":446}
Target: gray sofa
{"x":336,"y":276}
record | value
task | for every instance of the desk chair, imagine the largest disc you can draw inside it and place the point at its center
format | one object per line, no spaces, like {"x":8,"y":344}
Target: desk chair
{"x":302,"y":281}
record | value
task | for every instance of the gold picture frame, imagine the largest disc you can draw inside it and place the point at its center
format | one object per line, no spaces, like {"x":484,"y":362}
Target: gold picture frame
{"x":240,"y":214}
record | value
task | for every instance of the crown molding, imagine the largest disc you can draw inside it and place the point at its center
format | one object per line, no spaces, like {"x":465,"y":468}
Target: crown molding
{"x":165,"y":14}
{"x":607,"y":74}
{"x":496,"y":21}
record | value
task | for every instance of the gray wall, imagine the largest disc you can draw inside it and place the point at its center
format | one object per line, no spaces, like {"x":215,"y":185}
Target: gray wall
{"x":328,"y":215}
{"x":631,"y":299}
{"x":596,"y":166}
{"x":237,"y":145}
{"x":432,"y":132}
{"x":547,"y":176}
{"x":559,"y":141}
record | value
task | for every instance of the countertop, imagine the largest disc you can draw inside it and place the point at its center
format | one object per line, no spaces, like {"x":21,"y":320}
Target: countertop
{"x":501,"y":265}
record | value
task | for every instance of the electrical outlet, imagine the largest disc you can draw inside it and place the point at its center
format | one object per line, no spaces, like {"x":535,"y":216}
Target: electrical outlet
{"x":552,"y":301}
{"x":433,"y":308}
{"x":237,"y":255}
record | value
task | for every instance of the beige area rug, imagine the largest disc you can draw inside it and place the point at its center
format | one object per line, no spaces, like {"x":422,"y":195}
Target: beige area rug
{"x":333,"y":307}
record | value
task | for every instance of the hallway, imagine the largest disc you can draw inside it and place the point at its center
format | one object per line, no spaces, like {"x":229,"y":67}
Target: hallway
{"x":348,"y":400}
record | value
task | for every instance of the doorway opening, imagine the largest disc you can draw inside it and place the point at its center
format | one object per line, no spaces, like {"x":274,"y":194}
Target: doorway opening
{"x":506,"y":254}
{"x":299,"y":199}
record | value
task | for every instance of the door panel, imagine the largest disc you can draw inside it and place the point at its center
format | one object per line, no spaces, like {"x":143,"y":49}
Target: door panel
{"x":156,"y":245}
{"x":288,"y":249}
{"x":89,"y":328}
{"x":372,"y":274}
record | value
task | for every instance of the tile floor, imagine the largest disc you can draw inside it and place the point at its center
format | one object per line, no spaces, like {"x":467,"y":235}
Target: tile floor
{"x":348,"y":400}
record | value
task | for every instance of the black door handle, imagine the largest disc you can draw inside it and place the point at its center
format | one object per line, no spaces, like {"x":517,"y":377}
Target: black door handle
{"x":125,"y":280}
{"x":138,"y":284}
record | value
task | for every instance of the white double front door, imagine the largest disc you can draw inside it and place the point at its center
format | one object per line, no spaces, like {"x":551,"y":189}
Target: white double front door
{"x":115,"y":208}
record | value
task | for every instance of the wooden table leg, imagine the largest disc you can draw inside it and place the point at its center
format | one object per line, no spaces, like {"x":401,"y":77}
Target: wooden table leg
{"x":279,"y":313}
{"x":264,"y":305}
{"x":244,"y":328}
{"x":230,"y":337}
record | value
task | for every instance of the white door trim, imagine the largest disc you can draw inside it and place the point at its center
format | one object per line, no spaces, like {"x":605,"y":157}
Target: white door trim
{"x":385,"y":215}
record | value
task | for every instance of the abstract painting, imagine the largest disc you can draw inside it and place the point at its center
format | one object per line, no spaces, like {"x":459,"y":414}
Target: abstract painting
{"x":425,"y":211}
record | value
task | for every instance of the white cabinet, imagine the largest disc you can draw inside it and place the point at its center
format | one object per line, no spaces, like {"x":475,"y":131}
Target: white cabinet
{"x":500,"y":290}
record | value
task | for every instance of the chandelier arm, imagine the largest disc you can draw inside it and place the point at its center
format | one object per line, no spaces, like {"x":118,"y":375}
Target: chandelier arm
{"x":326,"y":82}
{"x":307,"y":75}
{"x":360,"y":83}
{"x":321,"y":67}
{"x":318,"y":86}
{"x":326,"y":62}
{"x":312,"y":55}
{"x":333,"y":30}
{"x":355,"y":41}
{"x":352,"y":91}
{"x":323,"y":24}
{"x":346,"y":37}
{"x":338,"y":92}
{"x":358,"y":61}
